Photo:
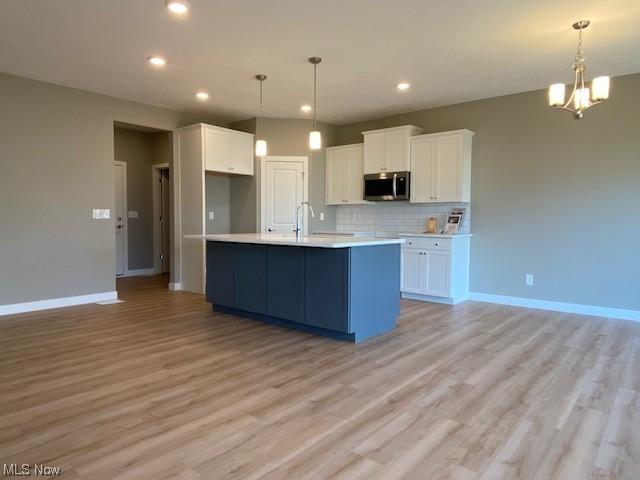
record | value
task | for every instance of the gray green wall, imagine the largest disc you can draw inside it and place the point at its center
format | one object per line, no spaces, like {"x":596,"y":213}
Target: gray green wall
{"x":285,"y":137}
{"x":551,"y":196}
{"x":140,"y":150}
{"x":56,"y":164}
{"x":217,"y":199}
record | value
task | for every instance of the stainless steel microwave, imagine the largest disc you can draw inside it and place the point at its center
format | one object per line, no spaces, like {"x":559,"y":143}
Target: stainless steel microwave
{"x":386,"y":186}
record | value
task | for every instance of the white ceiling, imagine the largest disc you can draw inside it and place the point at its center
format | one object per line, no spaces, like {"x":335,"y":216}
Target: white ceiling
{"x":450,"y":51}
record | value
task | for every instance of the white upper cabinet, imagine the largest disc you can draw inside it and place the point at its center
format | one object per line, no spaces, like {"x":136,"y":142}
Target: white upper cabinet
{"x":441,"y":167}
{"x":227,"y":151}
{"x":344,"y":175}
{"x":388,"y":150}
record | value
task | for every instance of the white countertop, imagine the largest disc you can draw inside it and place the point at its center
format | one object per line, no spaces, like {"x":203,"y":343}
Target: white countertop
{"x":321,"y":241}
{"x":434,"y":235}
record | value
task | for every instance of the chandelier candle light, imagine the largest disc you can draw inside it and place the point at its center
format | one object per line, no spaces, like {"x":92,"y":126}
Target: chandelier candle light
{"x":581,"y":97}
{"x":261,"y":145}
{"x":315,"y":138}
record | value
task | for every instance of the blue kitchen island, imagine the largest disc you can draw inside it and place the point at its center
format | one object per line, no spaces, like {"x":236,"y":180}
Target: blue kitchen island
{"x":347,"y":288}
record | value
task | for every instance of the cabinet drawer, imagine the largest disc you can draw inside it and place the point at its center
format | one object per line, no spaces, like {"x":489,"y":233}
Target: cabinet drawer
{"x":429,"y":243}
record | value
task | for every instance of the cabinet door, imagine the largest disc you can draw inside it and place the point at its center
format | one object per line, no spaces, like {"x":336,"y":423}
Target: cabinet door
{"x":218,"y":151}
{"x":374,"y":153}
{"x":412,"y":270}
{"x":423,"y":154}
{"x":396,"y":151}
{"x":242,"y":154}
{"x":336,"y":166}
{"x":437,"y":279}
{"x":326,"y":286}
{"x":354,"y":175}
{"x":220,"y":283}
{"x":285,"y":282}
{"x":448,"y":169}
{"x":251,"y":277}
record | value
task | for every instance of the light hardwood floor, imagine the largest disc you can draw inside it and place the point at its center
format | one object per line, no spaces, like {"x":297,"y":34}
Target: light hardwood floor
{"x":160,"y":387}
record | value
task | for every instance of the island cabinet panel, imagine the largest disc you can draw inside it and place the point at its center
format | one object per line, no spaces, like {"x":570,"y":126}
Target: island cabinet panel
{"x":221,"y":274}
{"x":374,"y":293}
{"x":251,"y":277}
{"x":285,"y":282}
{"x":326,"y":284}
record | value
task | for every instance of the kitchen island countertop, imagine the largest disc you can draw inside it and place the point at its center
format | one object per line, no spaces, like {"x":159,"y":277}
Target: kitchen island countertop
{"x":320,"y":241}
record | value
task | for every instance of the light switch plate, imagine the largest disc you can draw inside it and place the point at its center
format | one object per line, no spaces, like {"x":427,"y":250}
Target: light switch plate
{"x":132,"y":214}
{"x":212,"y":215}
{"x":322,"y":216}
{"x":101,"y":213}
{"x":528,"y":280}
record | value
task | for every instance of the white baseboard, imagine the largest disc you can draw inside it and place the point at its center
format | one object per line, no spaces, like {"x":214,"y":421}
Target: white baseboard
{"x":175,"y":286}
{"x":430,"y":298}
{"x":141,"y":272}
{"x":56,"y":303}
{"x":633,"y":315}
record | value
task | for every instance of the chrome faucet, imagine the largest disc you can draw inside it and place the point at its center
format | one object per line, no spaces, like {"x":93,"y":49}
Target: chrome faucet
{"x":298,"y":229}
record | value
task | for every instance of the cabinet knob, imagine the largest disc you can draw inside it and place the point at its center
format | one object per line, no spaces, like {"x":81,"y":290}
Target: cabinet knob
{"x":436,"y":244}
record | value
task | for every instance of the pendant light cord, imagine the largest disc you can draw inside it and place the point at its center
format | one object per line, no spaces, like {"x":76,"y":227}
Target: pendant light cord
{"x":314,"y":95}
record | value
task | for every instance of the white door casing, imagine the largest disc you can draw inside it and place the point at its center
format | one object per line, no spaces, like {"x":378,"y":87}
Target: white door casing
{"x":120,"y":217}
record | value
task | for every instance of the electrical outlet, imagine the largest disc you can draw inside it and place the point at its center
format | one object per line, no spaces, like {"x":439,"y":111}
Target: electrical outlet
{"x":322,"y":216}
{"x":528,"y":279}
{"x":212,"y":215}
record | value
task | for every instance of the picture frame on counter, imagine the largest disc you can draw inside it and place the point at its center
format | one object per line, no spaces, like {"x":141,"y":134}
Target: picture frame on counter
{"x":454,"y":221}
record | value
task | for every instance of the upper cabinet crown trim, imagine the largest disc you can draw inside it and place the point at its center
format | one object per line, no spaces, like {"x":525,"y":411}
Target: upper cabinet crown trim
{"x":351,"y":145}
{"x":411,"y":128}
{"x":215,"y":127}
{"x":462,"y":131}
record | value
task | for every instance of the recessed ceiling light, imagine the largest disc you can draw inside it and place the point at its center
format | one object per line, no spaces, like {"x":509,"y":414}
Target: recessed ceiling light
{"x":202,"y":96}
{"x":157,"y":61}
{"x":179,"y":7}
{"x":305,"y":108}
{"x":403,"y":86}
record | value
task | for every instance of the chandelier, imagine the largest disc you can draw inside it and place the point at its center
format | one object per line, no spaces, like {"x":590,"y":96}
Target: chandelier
{"x":582,"y":97}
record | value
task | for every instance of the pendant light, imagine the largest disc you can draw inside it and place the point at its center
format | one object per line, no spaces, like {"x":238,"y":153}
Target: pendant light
{"x":315,"y":138}
{"x":261,"y":144}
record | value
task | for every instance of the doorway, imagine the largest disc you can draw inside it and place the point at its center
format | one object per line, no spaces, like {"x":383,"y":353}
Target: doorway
{"x":284,"y":185}
{"x":120,"y":209}
{"x":161,"y":218}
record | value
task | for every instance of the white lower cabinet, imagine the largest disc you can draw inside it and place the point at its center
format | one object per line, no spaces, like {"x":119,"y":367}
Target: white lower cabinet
{"x":435,"y":268}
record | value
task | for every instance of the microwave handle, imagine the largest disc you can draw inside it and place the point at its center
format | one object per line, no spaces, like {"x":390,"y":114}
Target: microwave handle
{"x":394,"y":189}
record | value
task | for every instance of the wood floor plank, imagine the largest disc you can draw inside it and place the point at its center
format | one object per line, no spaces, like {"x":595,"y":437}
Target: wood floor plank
{"x":162,"y":387}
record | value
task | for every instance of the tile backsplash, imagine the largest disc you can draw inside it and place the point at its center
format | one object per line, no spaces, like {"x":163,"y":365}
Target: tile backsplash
{"x":396,"y":217}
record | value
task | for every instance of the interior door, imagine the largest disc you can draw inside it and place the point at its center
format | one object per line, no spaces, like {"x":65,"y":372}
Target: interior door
{"x":164,"y":220}
{"x":119,"y":216}
{"x":448,"y":168}
{"x":284,"y":191}
{"x":423,"y":154}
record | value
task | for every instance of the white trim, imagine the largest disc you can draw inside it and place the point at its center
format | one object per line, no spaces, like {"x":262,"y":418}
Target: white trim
{"x":433,"y":299}
{"x":56,"y":303}
{"x":125,"y":220}
{"x":175,"y":286}
{"x":578,"y":308}
{"x":305,"y":179}
{"x":155,"y":172}
{"x":140,"y":272}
